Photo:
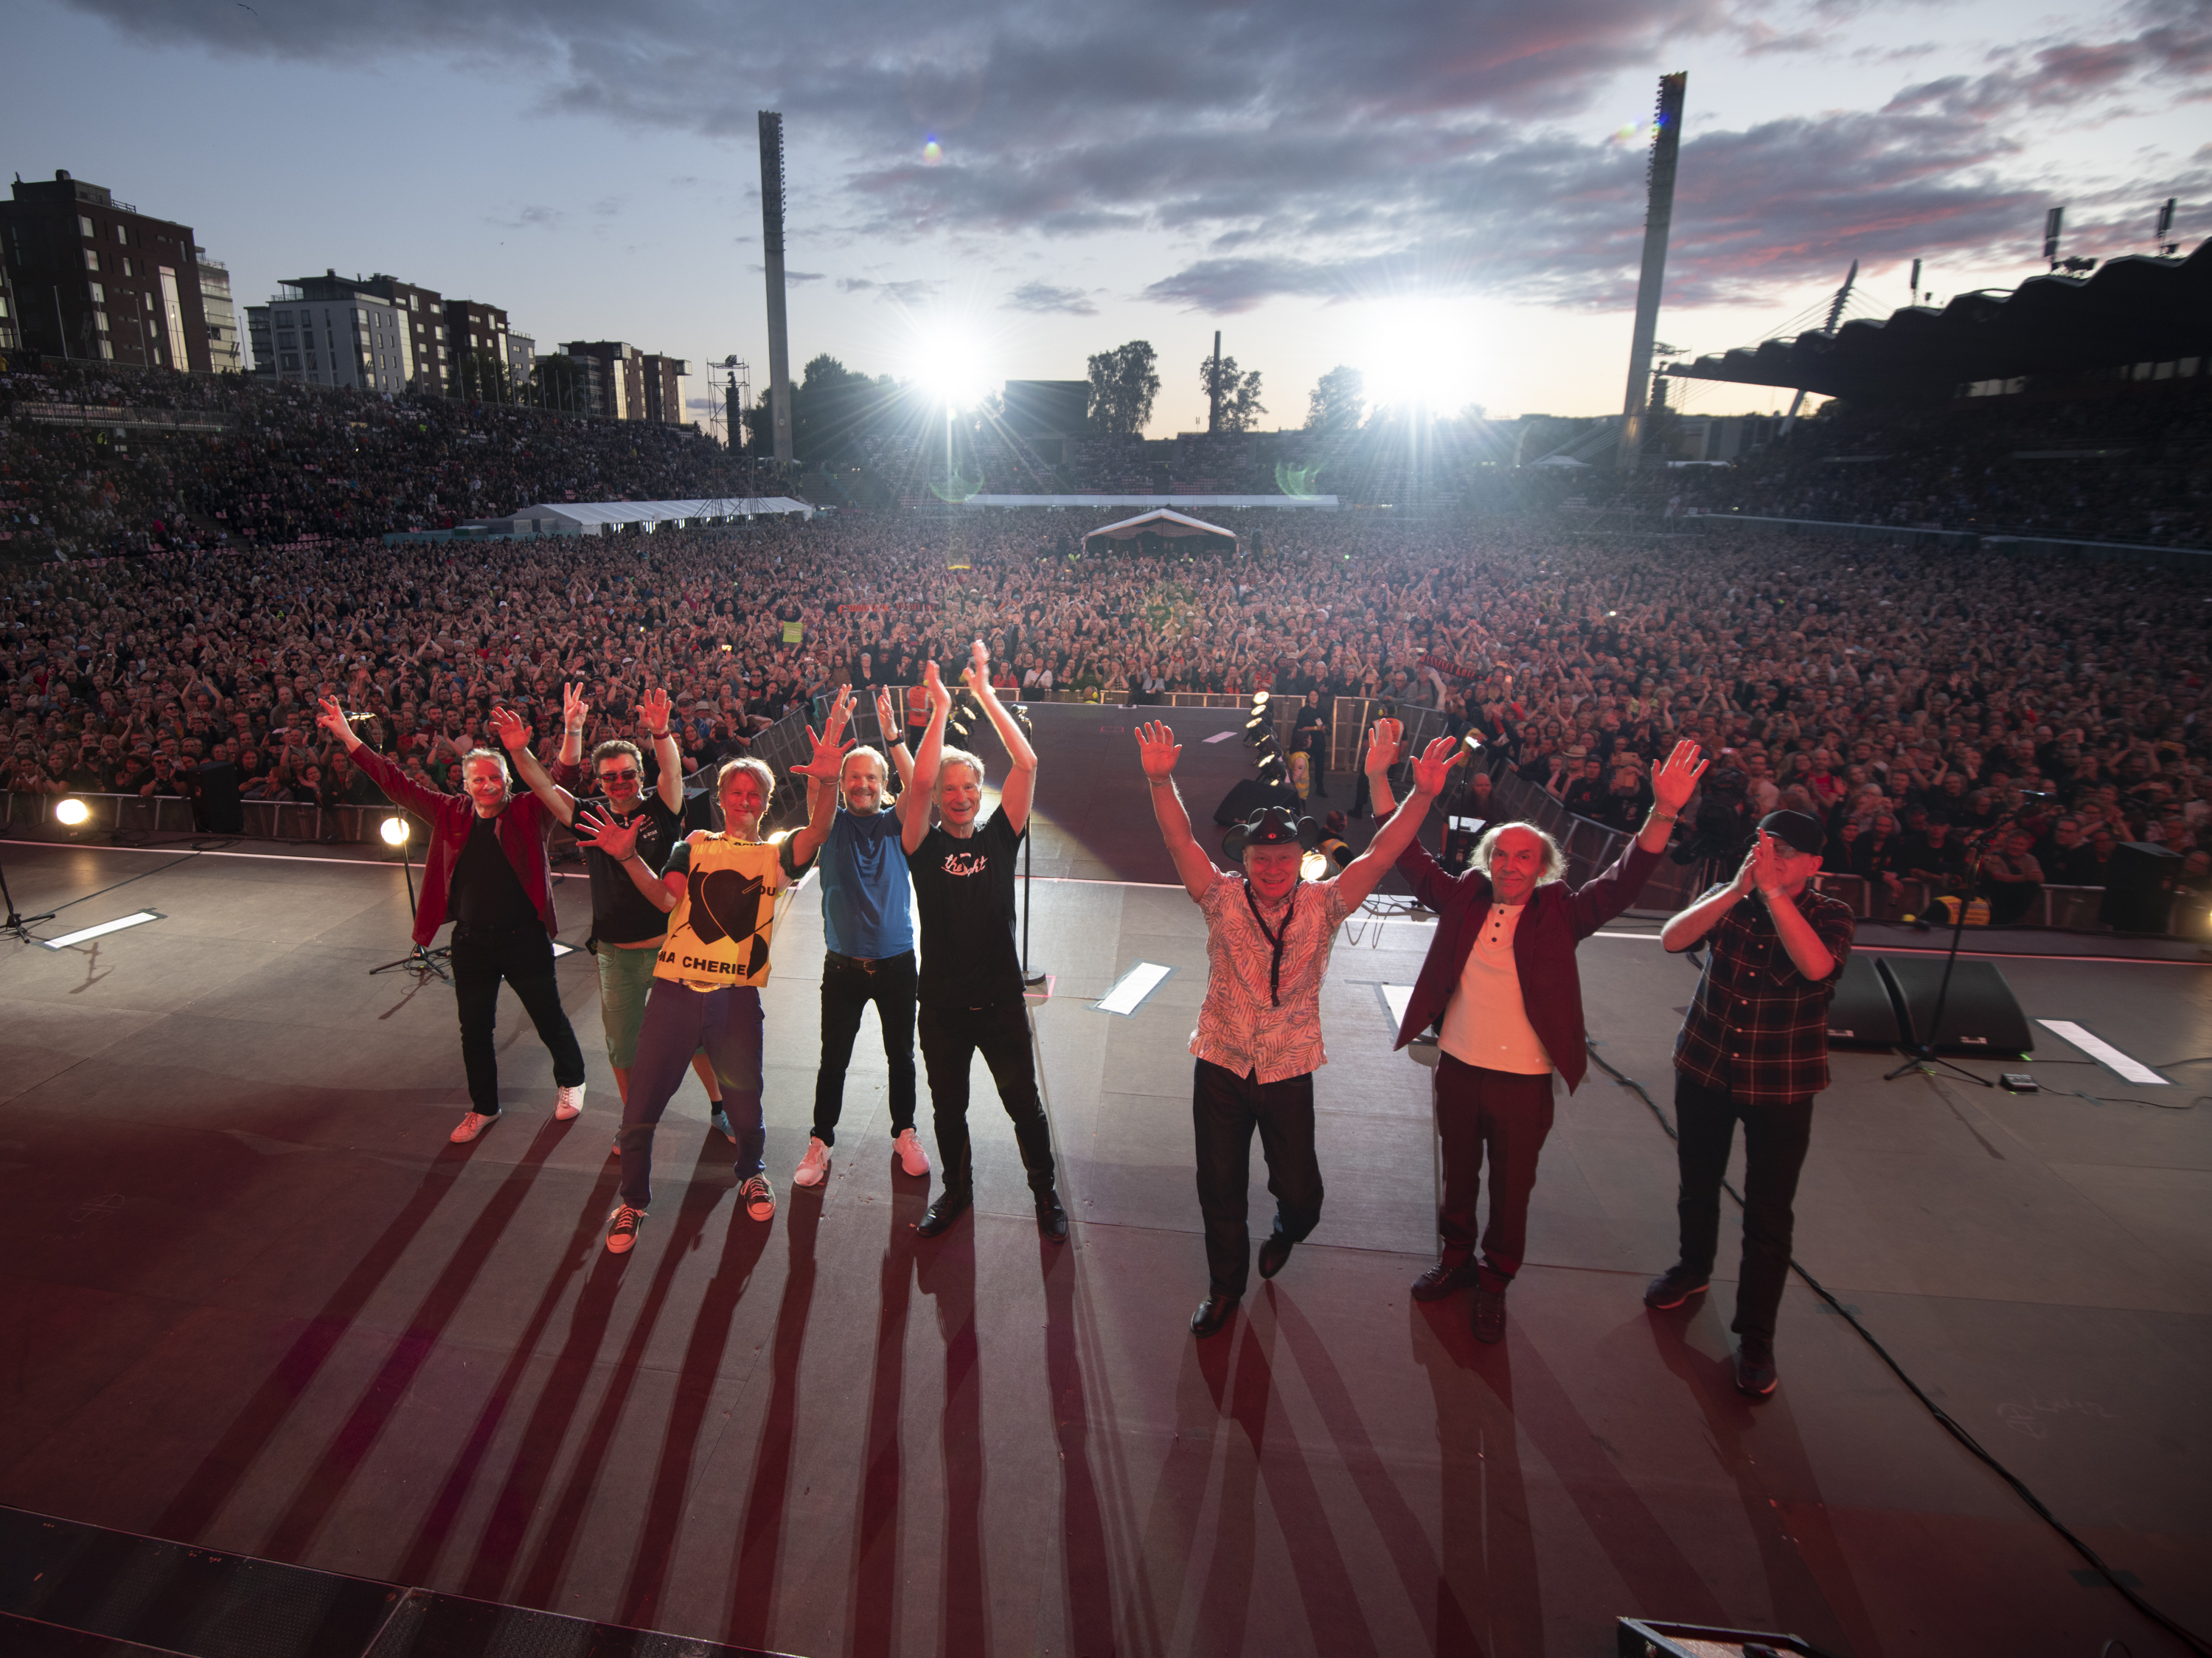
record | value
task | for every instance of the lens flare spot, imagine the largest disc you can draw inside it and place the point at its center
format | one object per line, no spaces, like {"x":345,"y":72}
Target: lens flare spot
{"x":931,"y":151}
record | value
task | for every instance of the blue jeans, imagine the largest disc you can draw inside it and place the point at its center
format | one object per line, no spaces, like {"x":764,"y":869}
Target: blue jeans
{"x":678,"y":1022}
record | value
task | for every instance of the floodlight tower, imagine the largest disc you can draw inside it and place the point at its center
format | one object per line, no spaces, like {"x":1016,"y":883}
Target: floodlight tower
{"x":1658,"y":217}
{"x":779,"y":334}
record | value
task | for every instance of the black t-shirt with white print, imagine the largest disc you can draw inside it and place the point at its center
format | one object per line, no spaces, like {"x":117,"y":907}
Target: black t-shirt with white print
{"x":963,"y":891}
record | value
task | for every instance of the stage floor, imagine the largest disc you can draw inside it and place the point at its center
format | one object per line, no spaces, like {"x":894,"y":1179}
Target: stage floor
{"x":255,"y":1302}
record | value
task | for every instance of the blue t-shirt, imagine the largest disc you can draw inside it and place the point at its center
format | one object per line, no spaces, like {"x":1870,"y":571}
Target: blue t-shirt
{"x":868,"y":904}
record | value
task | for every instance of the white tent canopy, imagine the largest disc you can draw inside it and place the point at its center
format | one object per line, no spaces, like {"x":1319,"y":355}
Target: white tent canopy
{"x":593,"y":517}
{"x":1160,"y":521}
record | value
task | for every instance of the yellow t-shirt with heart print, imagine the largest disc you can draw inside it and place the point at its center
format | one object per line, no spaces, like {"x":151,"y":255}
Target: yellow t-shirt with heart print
{"x":718,"y":933}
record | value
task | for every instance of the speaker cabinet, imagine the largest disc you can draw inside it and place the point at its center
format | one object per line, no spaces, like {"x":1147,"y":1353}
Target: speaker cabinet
{"x":1861,"y":1014}
{"x":2139,"y":888}
{"x":1980,"y":1014}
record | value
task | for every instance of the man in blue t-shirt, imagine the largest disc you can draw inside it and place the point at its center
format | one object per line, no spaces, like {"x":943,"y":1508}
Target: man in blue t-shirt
{"x":868,"y":922}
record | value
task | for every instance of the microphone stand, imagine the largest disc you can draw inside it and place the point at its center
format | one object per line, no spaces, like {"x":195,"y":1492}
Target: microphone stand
{"x":422,"y":962}
{"x":1921,"y":1056}
{"x":1030,"y":980}
{"x":19,"y":927}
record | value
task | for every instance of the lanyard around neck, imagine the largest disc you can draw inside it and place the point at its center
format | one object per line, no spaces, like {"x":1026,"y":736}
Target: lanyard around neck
{"x":1275,"y":966}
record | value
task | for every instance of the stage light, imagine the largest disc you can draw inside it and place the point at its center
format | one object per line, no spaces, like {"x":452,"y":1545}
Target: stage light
{"x":1313,"y":866}
{"x":394,"y":831}
{"x":72,"y":812}
{"x":104,"y":928}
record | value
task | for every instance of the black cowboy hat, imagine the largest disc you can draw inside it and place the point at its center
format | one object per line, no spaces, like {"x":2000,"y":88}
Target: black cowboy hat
{"x":1271,"y":826}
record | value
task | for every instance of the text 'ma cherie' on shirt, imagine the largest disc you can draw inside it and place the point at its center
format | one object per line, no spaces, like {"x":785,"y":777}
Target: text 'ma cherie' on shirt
{"x":718,"y":933}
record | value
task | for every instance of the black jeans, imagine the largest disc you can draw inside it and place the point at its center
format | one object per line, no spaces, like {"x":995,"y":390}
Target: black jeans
{"x":1509,"y":1115}
{"x":524,"y":957}
{"x":951,"y":1037}
{"x":1224,"y":1109}
{"x":1774,"y":1141}
{"x":847,"y":988}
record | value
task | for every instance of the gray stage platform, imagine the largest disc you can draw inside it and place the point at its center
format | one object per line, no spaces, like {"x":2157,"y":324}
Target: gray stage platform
{"x":255,"y":1302}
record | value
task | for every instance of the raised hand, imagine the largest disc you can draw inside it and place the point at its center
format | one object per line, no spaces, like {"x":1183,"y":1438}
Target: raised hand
{"x":940,"y":695}
{"x":331,"y":717}
{"x":1764,"y":864}
{"x":615,"y":840}
{"x":510,"y":727}
{"x":976,"y":676}
{"x":841,"y":709}
{"x":1435,"y":765}
{"x":1157,"y":750}
{"x":828,"y":757}
{"x":652,"y":708}
{"x":886,"y":716}
{"x":1382,"y":745}
{"x":574,"y":708}
{"x":1673,"y":782}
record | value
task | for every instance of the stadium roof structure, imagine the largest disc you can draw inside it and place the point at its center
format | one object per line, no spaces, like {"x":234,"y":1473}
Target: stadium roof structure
{"x":2134,"y":309}
{"x":1160,"y":521}
{"x":591,"y":516}
{"x":1320,"y":502}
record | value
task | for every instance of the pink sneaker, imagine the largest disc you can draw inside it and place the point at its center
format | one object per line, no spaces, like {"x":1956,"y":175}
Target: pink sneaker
{"x":814,"y":1167}
{"x":912,"y":1158}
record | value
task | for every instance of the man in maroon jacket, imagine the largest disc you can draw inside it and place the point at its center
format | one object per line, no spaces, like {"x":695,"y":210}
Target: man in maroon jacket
{"x":1500,"y":977}
{"x":486,"y":865}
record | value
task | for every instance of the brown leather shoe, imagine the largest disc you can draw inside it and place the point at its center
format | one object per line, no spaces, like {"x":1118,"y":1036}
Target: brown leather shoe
{"x":1440,"y":1280}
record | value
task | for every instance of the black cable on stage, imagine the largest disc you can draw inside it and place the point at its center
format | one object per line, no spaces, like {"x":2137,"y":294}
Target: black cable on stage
{"x":127,"y":879}
{"x":1949,"y":1424}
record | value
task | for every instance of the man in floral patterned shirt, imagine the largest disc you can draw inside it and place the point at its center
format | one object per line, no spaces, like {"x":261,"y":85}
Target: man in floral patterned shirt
{"x":1258,"y":1041}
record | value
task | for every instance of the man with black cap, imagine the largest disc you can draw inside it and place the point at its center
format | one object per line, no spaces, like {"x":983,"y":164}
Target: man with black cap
{"x":1258,"y":1041}
{"x":1754,"y":1049}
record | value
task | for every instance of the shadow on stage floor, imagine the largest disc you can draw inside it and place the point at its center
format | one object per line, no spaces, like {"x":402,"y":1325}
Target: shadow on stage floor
{"x":255,"y":1302}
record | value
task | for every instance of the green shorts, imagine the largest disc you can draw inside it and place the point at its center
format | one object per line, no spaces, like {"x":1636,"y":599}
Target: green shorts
{"x":625,"y":980}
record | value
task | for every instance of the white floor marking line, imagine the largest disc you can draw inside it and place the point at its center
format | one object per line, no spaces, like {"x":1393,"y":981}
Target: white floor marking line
{"x":137,"y":919}
{"x":2097,"y":1048}
{"x":1130,"y":990}
{"x":1396,"y":998}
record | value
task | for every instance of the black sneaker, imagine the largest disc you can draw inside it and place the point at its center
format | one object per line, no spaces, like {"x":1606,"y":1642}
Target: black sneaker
{"x":1672,"y":1288}
{"x":1443,"y":1279}
{"x":1754,"y":1367}
{"x":621,"y":1228}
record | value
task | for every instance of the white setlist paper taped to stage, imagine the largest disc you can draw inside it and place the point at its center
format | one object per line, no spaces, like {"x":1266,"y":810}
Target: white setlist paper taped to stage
{"x":2097,"y":1048}
{"x":1130,"y":991}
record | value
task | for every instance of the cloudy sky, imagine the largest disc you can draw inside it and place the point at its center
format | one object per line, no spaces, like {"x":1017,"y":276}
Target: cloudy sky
{"x":1447,"y":196}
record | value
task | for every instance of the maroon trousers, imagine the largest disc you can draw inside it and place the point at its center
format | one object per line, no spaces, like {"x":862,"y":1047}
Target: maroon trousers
{"x":1506,"y":1116}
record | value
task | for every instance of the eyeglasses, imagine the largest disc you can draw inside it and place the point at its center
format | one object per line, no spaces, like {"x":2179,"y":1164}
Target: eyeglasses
{"x":626,"y":774}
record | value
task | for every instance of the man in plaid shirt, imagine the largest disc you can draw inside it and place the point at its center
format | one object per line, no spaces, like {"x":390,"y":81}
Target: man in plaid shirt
{"x":1754,"y":1048}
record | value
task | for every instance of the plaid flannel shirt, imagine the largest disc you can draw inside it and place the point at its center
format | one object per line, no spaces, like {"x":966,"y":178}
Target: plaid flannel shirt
{"x":1758,"y":1028}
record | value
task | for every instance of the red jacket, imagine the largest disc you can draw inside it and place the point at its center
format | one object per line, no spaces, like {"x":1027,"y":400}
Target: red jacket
{"x":1559,"y":917}
{"x":521,"y":828}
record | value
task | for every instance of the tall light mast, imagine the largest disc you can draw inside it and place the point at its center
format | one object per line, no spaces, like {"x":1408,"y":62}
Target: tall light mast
{"x":1658,"y":218}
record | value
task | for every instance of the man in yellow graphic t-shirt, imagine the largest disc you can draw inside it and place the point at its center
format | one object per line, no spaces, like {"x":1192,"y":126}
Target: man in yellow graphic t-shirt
{"x":719,"y":891}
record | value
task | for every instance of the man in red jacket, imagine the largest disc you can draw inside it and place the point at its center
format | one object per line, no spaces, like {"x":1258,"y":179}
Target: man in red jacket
{"x":1500,"y":977}
{"x":486,"y":864}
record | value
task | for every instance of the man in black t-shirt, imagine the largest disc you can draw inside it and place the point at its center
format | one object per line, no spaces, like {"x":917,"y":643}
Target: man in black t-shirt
{"x":969,"y":984}
{"x":627,"y":927}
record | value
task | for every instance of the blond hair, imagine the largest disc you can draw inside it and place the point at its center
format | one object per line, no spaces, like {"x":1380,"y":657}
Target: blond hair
{"x":974,"y":762}
{"x":865,"y":752}
{"x":746,"y":763}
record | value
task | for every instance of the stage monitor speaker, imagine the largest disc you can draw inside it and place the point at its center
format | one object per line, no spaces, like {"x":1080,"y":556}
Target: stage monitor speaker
{"x":1980,"y":1012}
{"x":1252,"y":795}
{"x":2139,"y":888}
{"x":1861,"y":1014}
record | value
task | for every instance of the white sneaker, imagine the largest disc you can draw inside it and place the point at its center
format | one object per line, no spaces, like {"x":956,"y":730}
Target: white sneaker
{"x":568,"y":1103}
{"x":912,"y":1158}
{"x":814,"y":1167}
{"x":471,"y":1126}
{"x":759,"y":1198}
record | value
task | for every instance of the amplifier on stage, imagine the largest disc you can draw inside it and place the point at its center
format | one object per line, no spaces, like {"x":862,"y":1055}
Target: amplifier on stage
{"x":1460,"y":836}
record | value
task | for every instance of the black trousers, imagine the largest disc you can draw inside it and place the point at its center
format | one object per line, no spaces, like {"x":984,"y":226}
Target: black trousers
{"x":848,"y":989}
{"x":950,"y":1039}
{"x":1508,"y":1115}
{"x":1224,"y":1109}
{"x":1774,"y":1141}
{"x":524,"y":957}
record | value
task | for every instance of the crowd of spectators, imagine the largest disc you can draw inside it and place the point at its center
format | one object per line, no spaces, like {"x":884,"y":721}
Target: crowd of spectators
{"x":284,"y":465}
{"x":1907,"y":697}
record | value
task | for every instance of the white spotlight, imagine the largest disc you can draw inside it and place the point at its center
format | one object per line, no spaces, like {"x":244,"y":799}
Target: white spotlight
{"x":394,"y":831}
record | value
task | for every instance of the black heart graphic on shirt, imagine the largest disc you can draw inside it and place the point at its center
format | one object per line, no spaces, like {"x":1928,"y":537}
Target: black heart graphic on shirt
{"x":727,"y":905}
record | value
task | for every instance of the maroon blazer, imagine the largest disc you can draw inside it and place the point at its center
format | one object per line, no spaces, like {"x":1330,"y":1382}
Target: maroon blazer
{"x":521,"y":828}
{"x":1559,"y":917}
